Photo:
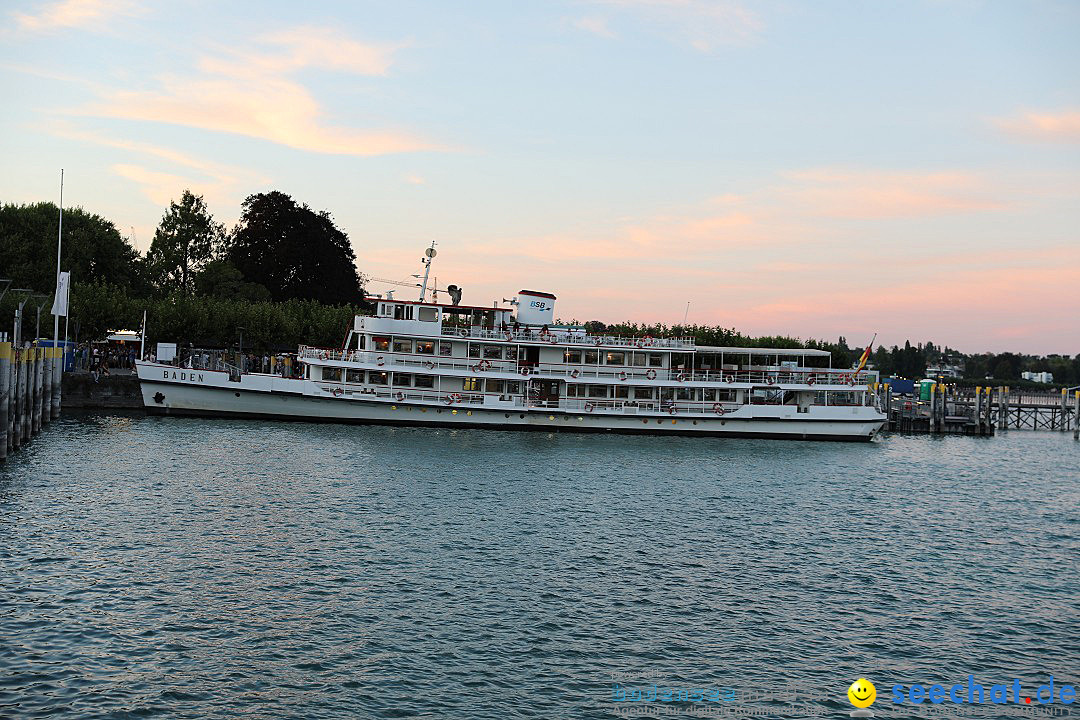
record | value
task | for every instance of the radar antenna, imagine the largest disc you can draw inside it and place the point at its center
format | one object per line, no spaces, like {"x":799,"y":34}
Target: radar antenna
{"x":429,"y":255}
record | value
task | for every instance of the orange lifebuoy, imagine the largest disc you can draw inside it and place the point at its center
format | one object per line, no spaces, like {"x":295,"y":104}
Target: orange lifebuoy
{"x":650,"y":374}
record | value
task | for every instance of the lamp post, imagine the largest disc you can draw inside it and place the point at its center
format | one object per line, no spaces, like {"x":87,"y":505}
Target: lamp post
{"x":240,"y":352}
{"x":44,"y":301}
{"x":17,"y":334}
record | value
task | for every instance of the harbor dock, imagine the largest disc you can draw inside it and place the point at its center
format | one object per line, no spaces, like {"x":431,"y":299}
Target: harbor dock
{"x":982,"y":411}
{"x":29,"y":392}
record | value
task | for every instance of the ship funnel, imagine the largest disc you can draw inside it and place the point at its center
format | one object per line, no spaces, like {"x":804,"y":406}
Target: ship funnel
{"x":535,"y":308}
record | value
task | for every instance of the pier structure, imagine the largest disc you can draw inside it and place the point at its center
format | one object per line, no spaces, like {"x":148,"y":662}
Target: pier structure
{"x":982,"y":410}
{"x":29,"y":392}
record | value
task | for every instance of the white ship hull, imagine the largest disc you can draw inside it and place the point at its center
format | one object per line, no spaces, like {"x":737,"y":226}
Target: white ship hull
{"x":168,"y":390}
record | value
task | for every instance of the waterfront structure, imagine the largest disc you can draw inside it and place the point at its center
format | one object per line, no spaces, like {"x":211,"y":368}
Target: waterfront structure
{"x":427,"y":363}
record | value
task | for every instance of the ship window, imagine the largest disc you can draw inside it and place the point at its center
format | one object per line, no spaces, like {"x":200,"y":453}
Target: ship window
{"x":384,"y":309}
{"x":684,"y":394}
{"x":377,"y":378}
{"x":331,"y":373}
{"x":360,"y":341}
{"x":471,"y":385}
{"x":381,"y":344}
{"x":354,"y":376}
{"x":616,"y":358}
{"x":598,"y":391}
{"x":643,"y":393}
{"x":402,"y":346}
{"x":511,"y":352}
{"x":639,"y":359}
{"x":492,"y":352}
{"x":725,"y":395}
{"x":656,"y":360}
{"x":622,"y":391}
{"x":423,"y":381}
{"x":494,"y":386}
{"x":402,"y":379}
{"x":572,"y":390}
{"x":667,"y":393}
{"x":474,"y":350}
{"x":708,"y":394}
{"x":428,"y":314}
{"x":513,"y":386}
{"x":446,"y":349}
{"x":425,"y":347}
{"x":572,"y":356}
{"x":403,"y":312}
{"x":592,"y":357}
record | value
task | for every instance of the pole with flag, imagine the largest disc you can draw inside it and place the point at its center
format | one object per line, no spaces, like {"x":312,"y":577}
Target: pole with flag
{"x":865,"y":356}
{"x":60,"y":303}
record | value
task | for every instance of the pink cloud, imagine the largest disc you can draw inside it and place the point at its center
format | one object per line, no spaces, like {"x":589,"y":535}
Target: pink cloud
{"x":73,"y":13}
{"x":253,"y":93}
{"x":1062,"y":126}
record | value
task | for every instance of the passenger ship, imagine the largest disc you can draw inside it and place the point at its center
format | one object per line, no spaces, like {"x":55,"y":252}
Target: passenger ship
{"x":446,"y":364}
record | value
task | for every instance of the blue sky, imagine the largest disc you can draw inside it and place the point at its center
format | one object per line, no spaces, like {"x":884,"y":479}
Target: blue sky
{"x":813,"y":168}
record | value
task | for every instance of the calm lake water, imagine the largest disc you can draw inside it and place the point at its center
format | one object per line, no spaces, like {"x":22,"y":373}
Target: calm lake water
{"x":160,"y":567}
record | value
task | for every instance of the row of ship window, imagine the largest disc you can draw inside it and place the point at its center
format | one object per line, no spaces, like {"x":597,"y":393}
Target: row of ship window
{"x":510,"y":352}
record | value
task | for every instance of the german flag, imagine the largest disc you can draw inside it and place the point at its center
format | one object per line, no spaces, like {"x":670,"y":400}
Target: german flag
{"x":865,"y":355}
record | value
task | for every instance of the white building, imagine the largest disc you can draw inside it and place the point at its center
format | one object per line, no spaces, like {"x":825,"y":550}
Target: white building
{"x":1039,"y":377}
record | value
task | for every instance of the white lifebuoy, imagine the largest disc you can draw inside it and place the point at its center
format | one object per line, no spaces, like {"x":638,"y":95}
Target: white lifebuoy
{"x":589,"y":407}
{"x":430,"y":364}
{"x":338,"y":392}
{"x":399,"y":396}
{"x":672,"y":410}
{"x":323,"y":355}
{"x":380,"y":361}
{"x":811,"y":380}
{"x":650,"y":374}
{"x":729,"y":379}
{"x":718,"y":408}
{"x":463,"y":333}
{"x":524,"y":370}
{"x":574,"y":373}
{"x":681,"y":377}
{"x":770,"y":381}
{"x":453,"y":398}
{"x":622,"y":376}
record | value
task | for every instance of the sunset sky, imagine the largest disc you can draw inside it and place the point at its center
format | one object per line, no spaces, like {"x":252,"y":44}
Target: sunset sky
{"x":806,"y":168}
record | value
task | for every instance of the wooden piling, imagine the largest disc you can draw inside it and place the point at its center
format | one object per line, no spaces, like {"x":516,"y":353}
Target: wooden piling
{"x":46,"y":386}
{"x":21,"y":428}
{"x":35,"y":389}
{"x":5,"y":398}
{"x":57,"y":381}
{"x":1076,"y":416}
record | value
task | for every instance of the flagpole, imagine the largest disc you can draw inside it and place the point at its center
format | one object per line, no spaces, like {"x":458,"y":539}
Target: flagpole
{"x":59,"y":246}
{"x":142,"y":339}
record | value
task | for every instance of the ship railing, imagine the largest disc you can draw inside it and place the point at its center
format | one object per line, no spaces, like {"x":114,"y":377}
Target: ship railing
{"x":388,"y":361}
{"x":567,"y":337}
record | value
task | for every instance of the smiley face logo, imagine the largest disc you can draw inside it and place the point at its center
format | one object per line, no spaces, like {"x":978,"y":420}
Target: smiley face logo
{"x":862,"y":693}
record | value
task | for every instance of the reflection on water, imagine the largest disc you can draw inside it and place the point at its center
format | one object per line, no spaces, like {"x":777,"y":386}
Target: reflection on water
{"x":201,"y":568}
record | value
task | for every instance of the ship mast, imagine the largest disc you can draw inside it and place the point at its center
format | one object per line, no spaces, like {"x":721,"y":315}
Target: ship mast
{"x":429,"y":255}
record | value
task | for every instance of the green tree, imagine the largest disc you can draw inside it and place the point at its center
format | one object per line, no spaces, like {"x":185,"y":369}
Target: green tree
{"x":93,"y":249}
{"x":220,"y":278}
{"x":184,"y":243}
{"x":293,"y":251}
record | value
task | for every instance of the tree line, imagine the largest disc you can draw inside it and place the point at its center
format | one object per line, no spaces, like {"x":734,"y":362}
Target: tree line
{"x":286,"y":274}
